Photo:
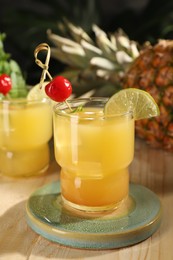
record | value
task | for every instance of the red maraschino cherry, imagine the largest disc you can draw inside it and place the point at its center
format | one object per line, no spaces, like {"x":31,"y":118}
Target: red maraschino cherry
{"x":59,"y":89}
{"x":5,"y":84}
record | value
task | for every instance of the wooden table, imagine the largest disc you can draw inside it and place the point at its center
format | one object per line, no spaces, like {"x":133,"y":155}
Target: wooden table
{"x":152,"y":168}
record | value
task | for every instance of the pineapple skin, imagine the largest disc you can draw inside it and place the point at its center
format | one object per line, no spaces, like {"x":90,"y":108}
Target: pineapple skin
{"x":152,"y":71}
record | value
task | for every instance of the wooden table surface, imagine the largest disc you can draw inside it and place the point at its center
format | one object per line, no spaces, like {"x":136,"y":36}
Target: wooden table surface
{"x":152,"y":168}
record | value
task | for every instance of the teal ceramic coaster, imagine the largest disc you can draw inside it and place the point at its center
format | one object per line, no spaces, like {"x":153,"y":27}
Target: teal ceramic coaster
{"x":136,"y":220}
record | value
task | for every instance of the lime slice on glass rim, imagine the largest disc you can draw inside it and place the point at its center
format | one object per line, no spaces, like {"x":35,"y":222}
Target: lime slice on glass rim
{"x":36,"y":93}
{"x":139,"y":102}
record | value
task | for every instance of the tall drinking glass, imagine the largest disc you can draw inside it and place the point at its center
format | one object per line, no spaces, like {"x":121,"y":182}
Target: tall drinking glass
{"x":25,"y":130}
{"x":94,"y":152}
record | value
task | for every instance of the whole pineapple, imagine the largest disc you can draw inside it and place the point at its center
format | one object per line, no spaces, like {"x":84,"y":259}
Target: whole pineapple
{"x":113,"y":62}
{"x":153,"y":71}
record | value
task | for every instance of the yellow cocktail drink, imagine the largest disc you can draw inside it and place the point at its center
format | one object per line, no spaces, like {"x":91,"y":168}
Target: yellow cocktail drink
{"x":94,"y":153}
{"x":25,"y":129}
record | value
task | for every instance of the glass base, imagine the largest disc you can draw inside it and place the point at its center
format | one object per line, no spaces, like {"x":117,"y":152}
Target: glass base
{"x":31,"y":162}
{"x":75,"y":207}
{"x":90,"y":193}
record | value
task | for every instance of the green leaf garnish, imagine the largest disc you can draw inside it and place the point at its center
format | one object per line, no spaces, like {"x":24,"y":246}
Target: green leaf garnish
{"x":78,"y":109}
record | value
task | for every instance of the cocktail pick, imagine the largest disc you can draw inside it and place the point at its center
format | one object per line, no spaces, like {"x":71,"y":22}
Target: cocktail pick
{"x":59,"y":88}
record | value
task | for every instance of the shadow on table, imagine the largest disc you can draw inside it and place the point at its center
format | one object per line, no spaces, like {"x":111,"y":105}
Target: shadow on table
{"x":17,"y":238}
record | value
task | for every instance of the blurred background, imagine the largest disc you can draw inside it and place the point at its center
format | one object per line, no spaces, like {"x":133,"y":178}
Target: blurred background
{"x":25,"y":23}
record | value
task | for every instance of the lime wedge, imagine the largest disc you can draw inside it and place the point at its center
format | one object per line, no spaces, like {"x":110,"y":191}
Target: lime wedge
{"x":137,"y":101}
{"x":36,"y":93}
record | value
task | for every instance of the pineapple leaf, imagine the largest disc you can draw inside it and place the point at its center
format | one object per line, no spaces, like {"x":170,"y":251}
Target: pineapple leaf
{"x":90,"y":49}
{"x":61,"y":41}
{"x":134,"y":50}
{"x":70,"y":56}
{"x":77,"y":33}
{"x":123,"y":58}
{"x":102,"y":63}
{"x":107,"y":47}
{"x":102,"y":39}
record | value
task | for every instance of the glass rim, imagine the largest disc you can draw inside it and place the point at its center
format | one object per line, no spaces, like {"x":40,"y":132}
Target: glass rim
{"x":23,"y":100}
{"x":88,"y":115}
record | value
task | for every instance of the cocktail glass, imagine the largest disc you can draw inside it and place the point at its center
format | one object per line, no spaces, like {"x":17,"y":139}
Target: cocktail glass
{"x":94,"y":152}
{"x":25,"y":130}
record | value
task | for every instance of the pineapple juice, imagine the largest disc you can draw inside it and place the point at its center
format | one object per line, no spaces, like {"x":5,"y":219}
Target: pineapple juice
{"x":94,"y":153}
{"x":25,"y":129}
